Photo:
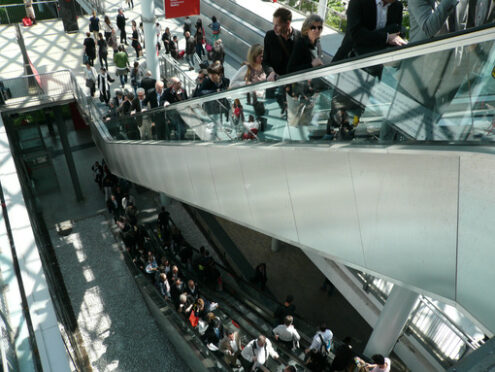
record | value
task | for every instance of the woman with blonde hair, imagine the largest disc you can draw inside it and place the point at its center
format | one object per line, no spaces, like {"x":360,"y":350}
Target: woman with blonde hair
{"x":307,"y":50}
{"x":252,"y":70}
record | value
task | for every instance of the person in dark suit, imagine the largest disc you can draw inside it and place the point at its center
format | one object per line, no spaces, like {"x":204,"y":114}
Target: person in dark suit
{"x":156,"y":98}
{"x":174,"y":93}
{"x":371,"y":27}
{"x":121,"y":25}
{"x":214,"y":333}
{"x":147,"y":82}
{"x":90,"y":48}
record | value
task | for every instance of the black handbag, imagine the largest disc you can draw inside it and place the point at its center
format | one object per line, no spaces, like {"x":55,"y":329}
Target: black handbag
{"x":259,"y":108}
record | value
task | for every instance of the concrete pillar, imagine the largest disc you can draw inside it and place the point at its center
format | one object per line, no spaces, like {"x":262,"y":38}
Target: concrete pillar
{"x":322,"y":9}
{"x":62,"y":131}
{"x":391,"y":322}
{"x":148,"y":17}
{"x":275,"y":245}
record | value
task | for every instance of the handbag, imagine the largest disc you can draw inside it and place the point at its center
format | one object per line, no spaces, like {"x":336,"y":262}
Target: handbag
{"x":193,"y":319}
{"x":259,"y":108}
{"x":85,"y":58}
{"x":90,"y":83}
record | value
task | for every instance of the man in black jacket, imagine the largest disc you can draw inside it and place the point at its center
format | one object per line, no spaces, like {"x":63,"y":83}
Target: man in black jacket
{"x":121,"y":25}
{"x":156,"y":98}
{"x":278,"y":44}
{"x":215,"y":82}
{"x":173,"y":94}
{"x":371,"y":26}
{"x":147,"y":82}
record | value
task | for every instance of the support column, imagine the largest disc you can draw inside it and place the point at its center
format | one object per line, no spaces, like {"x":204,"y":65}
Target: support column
{"x":391,"y":322}
{"x":322,"y":9}
{"x":275,"y":245}
{"x":148,"y":17}
{"x":62,"y":131}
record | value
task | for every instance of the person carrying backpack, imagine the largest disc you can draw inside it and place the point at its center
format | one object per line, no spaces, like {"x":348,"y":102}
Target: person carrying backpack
{"x":317,"y":353}
{"x":256,"y":353}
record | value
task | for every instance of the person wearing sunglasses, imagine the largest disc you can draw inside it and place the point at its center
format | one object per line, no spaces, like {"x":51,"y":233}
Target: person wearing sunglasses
{"x":307,"y":51}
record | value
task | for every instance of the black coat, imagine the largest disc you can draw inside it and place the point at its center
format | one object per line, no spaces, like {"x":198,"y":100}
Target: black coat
{"x":277,"y":52}
{"x":152,"y":98}
{"x":209,"y":86}
{"x":211,"y":337}
{"x":301,"y":56}
{"x":361,"y":36}
{"x":148,"y":83}
{"x":121,"y":21}
{"x":173,"y":97}
{"x":90,"y":47}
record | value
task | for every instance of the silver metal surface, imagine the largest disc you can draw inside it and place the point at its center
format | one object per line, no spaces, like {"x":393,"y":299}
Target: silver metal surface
{"x":407,"y":208}
{"x":475,"y":272}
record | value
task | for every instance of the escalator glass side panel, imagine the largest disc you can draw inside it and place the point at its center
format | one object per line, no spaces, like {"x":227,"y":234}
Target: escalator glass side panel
{"x":446,"y":96}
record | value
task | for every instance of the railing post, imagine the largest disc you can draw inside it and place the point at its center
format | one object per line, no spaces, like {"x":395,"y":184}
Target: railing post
{"x":391,"y":321}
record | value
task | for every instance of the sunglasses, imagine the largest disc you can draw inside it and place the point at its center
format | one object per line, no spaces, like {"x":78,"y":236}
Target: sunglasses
{"x":319,"y":28}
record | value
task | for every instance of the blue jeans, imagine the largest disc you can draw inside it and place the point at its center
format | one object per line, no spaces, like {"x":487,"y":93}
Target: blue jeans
{"x":199,"y":50}
{"x":190,"y":59}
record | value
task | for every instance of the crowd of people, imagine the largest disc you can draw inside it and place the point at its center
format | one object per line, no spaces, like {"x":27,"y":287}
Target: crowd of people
{"x":173,"y":270}
{"x":285,"y":50}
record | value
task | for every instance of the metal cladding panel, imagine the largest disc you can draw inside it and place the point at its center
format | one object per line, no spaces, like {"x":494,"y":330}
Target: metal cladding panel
{"x":201,"y":177}
{"x":322,"y":195}
{"x":177,"y":173}
{"x":265,"y":182}
{"x":229,"y":185}
{"x":407,"y":205}
{"x":475,"y":270}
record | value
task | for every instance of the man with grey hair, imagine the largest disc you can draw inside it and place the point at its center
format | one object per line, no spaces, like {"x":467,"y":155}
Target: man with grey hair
{"x":156,"y":98}
{"x":173,"y":94}
{"x":190,"y":50}
{"x":139,"y":105}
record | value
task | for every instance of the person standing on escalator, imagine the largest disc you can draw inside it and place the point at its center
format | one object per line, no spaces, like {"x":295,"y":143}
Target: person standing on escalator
{"x":372,"y":25}
{"x":427,"y":18}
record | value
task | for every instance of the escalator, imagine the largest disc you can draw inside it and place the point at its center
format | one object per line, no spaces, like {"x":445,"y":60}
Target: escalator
{"x":355,"y":168}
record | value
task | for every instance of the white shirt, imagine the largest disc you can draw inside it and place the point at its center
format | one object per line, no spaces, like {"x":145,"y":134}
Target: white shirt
{"x":261,"y":353}
{"x":327,"y":337}
{"x":91,"y":73}
{"x":107,"y":28}
{"x":381,"y":14}
{"x":386,"y":369}
{"x":285,"y":333}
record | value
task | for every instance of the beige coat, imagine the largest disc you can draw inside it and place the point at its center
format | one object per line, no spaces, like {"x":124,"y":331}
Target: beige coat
{"x":226,"y":348}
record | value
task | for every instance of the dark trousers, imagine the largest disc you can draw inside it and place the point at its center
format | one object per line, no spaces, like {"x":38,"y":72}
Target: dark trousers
{"x":104,"y":58}
{"x":123,"y":36}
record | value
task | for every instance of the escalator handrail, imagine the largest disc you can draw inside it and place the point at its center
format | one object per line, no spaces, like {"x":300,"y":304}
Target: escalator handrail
{"x":445,"y":42}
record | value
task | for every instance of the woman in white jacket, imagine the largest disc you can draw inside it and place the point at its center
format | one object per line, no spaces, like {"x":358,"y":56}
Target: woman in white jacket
{"x":251,"y":72}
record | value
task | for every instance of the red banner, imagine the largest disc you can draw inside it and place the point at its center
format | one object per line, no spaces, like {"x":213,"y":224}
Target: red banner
{"x":181,"y":8}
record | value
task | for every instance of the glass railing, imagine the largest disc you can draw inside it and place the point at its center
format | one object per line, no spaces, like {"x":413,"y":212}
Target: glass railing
{"x":439,"y":91}
{"x":14,"y":13}
{"x":53,"y":86}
